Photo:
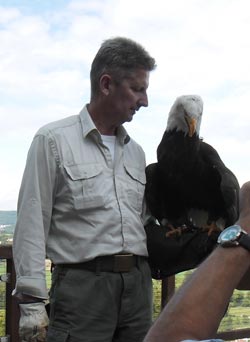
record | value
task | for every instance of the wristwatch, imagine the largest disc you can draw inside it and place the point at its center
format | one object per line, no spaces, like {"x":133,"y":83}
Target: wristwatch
{"x":234,"y":236}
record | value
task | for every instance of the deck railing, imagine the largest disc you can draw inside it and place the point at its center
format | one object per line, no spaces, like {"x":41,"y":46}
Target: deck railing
{"x":11,"y":307}
{"x":12,"y":312}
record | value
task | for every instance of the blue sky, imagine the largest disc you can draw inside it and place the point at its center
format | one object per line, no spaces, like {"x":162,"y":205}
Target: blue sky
{"x":201,"y":47}
{"x":34,"y":6}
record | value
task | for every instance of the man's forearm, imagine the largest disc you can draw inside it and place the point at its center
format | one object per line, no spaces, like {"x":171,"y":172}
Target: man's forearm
{"x":244,"y":283}
{"x":197,"y":308}
{"x":195,"y":311}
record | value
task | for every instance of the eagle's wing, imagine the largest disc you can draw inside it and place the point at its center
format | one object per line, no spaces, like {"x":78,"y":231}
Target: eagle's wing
{"x":151,"y":191}
{"x":229,"y":185}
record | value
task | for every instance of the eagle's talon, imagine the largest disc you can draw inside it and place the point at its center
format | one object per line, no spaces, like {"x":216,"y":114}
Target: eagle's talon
{"x":210,"y":228}
{"x":175,"y":230}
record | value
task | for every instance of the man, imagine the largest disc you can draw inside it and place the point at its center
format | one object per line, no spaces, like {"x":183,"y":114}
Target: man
{"x":195,"y":311}
{"x":81,"y":205}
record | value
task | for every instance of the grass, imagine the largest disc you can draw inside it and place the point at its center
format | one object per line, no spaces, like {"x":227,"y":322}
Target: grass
{"x":236,"y":317}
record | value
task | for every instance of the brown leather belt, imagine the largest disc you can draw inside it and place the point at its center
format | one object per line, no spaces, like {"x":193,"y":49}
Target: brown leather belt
{"x":109,"y":263}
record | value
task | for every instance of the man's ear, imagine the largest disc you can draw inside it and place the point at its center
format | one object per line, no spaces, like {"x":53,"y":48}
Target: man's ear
{"x":105,"y":82}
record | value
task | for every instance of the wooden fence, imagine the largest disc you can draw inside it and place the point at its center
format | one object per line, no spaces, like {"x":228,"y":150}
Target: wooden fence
{"x":12,"y":313}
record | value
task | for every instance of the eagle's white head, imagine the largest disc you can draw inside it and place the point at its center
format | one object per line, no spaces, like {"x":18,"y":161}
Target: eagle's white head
{"x":185,"y":115}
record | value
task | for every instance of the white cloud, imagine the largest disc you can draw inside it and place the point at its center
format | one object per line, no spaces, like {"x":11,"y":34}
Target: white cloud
{"x":8,"y":14}
{"x":200,"y":47}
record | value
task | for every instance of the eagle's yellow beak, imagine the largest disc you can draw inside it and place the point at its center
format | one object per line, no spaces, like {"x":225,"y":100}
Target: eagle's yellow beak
{"x":191,"y":122}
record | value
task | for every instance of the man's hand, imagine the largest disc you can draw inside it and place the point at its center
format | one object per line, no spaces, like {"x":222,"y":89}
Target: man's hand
{"x":244,"y":218}
{"x":33,"y":322}
{"x":244,"y":222}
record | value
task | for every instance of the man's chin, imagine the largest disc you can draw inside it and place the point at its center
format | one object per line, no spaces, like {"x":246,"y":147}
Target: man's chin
{"x":130,"y":118}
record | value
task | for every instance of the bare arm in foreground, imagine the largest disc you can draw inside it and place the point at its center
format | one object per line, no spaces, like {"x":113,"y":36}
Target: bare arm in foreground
{"x":195,"y":311}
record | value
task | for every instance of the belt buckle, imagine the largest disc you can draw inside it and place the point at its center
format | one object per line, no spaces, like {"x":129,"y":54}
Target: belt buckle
{"x":123,"y":262}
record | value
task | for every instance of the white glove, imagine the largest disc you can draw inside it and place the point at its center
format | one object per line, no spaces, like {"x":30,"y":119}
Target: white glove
{"x":33,"y":322}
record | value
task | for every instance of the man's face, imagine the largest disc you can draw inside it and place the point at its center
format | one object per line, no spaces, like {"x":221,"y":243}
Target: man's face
{"x":129,"y":96}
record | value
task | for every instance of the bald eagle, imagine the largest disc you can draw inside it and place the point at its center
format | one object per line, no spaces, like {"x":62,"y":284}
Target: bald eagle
{"x":189,"y":184}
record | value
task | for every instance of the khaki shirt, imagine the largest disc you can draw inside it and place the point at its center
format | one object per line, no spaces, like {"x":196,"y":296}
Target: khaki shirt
{"x":75,"y":203}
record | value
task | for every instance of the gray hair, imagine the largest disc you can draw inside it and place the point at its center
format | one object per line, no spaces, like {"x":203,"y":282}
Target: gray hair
{"x":119,"y":57}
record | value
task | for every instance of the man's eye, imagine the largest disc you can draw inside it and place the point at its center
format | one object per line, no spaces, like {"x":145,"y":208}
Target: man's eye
{"x":138,"y":90}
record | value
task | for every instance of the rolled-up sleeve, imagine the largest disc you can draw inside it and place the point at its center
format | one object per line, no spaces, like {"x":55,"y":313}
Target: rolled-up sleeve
{"x":33,"y":217}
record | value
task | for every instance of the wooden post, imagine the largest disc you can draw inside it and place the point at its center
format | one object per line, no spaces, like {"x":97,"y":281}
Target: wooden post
{"x":12,"y":311}
{"x":167,"y":290}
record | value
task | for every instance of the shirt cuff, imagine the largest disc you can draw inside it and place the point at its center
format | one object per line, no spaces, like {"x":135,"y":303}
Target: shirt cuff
{"x":35,"y":287}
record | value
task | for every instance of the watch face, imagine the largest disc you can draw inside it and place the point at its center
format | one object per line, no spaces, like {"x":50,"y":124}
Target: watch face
{"x":230,"y":235}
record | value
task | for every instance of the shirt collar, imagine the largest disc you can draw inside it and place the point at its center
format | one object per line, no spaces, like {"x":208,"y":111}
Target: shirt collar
{"x":122,"y":135}
{"x":88,"y":127}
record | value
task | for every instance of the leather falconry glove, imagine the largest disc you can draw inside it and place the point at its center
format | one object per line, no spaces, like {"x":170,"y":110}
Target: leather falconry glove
{"x":33,"y":322}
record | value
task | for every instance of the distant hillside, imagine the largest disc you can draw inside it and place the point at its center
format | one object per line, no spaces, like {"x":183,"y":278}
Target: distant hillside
{"x":8,"y":217}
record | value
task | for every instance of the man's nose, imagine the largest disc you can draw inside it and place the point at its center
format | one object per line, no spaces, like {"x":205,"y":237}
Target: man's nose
{"x":143,"y":102}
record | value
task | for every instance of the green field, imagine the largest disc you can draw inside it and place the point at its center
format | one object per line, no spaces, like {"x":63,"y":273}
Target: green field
{"x":236,"y":317}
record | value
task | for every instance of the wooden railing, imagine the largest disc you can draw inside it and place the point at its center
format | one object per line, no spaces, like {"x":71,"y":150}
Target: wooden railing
{"x":12,"y":312}
{"x":11,"y":307}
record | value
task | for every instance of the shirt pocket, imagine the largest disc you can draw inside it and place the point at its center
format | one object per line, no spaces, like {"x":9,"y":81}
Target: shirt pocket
{"x":85,"y":183}
{"x":135,"y":187}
